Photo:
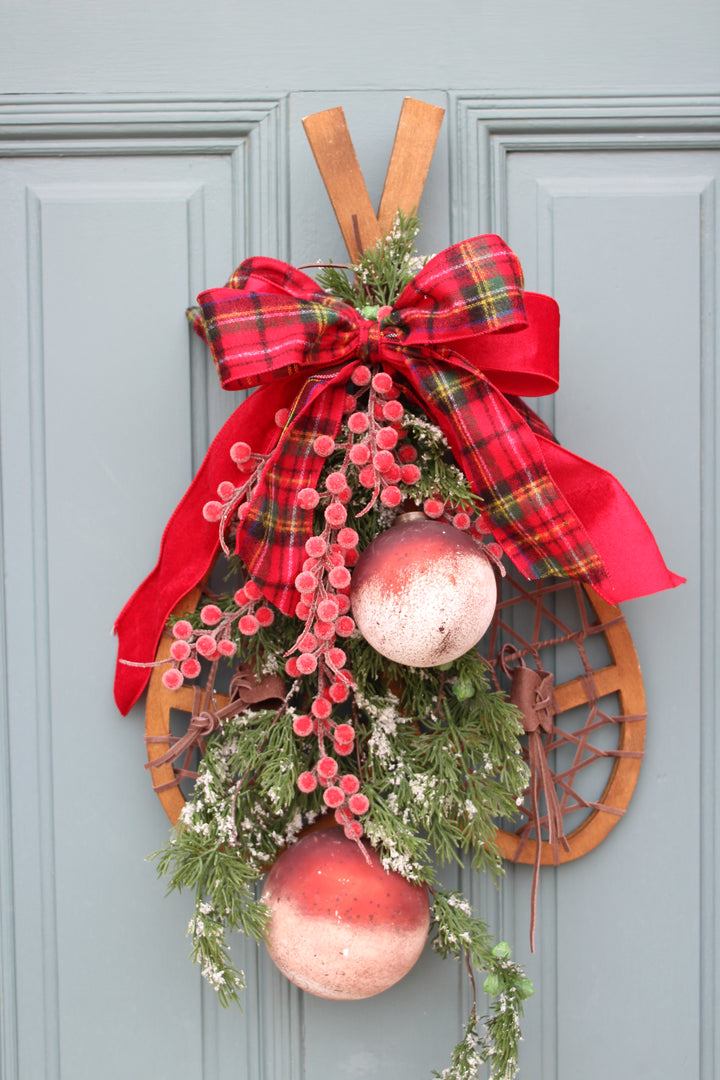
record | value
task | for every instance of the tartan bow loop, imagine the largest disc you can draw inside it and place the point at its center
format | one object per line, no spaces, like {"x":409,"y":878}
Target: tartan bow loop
{"x":272,"y":321}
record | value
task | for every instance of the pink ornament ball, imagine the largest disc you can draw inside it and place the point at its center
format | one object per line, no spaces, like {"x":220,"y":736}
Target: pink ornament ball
{"x":423,"y":593}
{"x":407,"y":453}
{"x":386,"y":438}
{"x":342,"y":927}
{"x":305,"y":664}
{"x":323,"y":631}
{"x":348,"y":538}
{"x":316,"y":546}
{"x":366,"y":477}
{"x":359,"y":803}
{"x":393,"y":411}
{"x":410,"y":474}
{"x":358,"y":422}
{"x":433,"y":508}
{"x":339,"y":577}
{"x":321,"y":708}
{"x":343,"y":602}
{"x":361,"y":375}
{"x":338,"y":693}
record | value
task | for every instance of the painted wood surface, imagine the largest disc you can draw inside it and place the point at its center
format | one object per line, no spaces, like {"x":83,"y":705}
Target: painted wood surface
{"x":144,"y":151}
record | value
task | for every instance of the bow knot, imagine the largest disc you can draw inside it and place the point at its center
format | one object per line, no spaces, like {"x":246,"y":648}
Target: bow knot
{"x":368,"y":341}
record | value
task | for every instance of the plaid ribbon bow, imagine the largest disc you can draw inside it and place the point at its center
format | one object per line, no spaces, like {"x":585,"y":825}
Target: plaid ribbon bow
{"x":463,"y":339}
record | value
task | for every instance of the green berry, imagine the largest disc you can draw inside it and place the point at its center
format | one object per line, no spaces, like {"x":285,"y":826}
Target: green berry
{"x":463,"y":689}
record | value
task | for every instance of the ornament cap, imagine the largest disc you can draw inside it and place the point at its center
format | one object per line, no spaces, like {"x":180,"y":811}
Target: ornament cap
{"x":410,"y":515}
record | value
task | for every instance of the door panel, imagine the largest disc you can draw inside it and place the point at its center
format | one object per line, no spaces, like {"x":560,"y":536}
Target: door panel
{"x":114,"y":214}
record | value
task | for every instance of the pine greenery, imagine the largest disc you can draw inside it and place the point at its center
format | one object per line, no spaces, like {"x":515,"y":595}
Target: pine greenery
{"x":381,"y":273}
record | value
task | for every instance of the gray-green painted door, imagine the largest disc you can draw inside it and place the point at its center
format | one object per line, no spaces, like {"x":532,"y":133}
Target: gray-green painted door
{"x":145,"y":149}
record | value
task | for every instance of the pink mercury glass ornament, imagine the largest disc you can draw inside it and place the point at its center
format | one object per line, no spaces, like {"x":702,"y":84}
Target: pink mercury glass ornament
{"x":423,"y":592}
{"x":341,"y":926}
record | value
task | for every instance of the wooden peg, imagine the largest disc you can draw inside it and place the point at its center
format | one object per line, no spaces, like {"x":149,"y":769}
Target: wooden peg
{"x":337,"y":161}
{"x":417,"y":133}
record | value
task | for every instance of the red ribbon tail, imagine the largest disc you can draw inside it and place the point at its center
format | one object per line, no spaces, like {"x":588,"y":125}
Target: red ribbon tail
{"x":189,"y":545}
{"x":615,"y":527}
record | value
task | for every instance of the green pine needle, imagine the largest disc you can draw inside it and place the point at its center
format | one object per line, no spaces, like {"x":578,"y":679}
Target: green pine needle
{"x":382,"y":272}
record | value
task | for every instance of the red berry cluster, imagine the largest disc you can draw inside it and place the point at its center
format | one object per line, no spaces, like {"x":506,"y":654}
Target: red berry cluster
{"x":234,"y":499}
{"x":342,"y":792}
{"x":374,"y":449}
{"x":324,"y":581}
{"x":477,"y":527}
{"x":382,"y":462}
{"x":213,"y":639}
{"x":324,"y":585}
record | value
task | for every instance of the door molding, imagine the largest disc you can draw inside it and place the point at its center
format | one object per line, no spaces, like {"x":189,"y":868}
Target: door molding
{"x":251,"y":133}
{"x":486,"y":129}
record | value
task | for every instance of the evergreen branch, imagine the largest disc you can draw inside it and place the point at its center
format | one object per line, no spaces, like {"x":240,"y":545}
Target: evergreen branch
{"x":210,"y":950}
{"x":382,"y":271}
{"x":461,"y":934}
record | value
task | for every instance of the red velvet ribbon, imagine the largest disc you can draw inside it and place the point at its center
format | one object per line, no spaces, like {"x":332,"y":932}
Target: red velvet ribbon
{"x":446,"y":341}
